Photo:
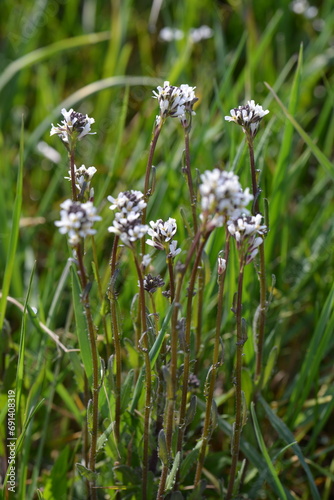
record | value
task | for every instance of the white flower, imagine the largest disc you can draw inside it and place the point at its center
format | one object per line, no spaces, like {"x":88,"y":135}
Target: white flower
{"x":248,"y":116}
{"x":173,"y":251}
{"x":128,"y":227}
{"x":248,"y":233}
{"x":77,"y":220}
{"x":222,"y":196}
{"x":201,"y":33}
{"x":175,"y":101}
{"x":83,"y":177}
{"x":129,"y":201}
{"x":74,"y":127}
{"x":169,"y":34}
{"x":161,"y":232}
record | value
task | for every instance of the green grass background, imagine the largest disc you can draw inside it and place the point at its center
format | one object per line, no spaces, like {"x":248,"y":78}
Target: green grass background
{"x":104,"y":59}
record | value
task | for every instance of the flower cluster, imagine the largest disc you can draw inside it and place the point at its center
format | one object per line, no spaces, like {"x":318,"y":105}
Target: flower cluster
{"x":176,"y":102}
{"x":83,"y":176}
{"x":127,"y":223}
{"x":74,"y":127}
{"x":248,"y":233}
{"x":162,"y":233}
{"x":196,"y":35}
{"x":152,"y":283}
{"x":129,"y":201}
{"x":77,"y":220}
{"x":222,"y":197}
{"x":248,"y":116}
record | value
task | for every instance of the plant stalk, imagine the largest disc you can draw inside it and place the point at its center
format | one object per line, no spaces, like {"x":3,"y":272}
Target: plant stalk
{"x":147,"y":193}
{"x":262,"y":271}
{"x":171,"y":386}
{"x":95,"y":382}
{"x":238,"y":388}
{"x":214,"y":368}
{"x":186,"y":368}
{"x":116,"y":335}
{"x":148,"y":377}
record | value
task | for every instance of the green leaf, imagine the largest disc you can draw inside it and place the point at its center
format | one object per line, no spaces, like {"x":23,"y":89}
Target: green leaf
{"x":127,"y":389}
{"x":172,"y":474}
{"x":269,"y":366}
{"x":86,"y":473}
{"x":266,"y":456}
{"x":90,"y":416}
{"x":162,"y":450}
{"x":104,"y":437}
{"x":188,"y":462}
{"x":56,"y":485}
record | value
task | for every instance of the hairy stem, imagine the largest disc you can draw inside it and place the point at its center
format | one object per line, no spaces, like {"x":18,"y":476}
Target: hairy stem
{"x":116,"y":335}
{"x":147,"y":193}
{"x":93,"y":346}
{"x":200,"y":295}
{"x":214,"y":368}
{"x":71,"y":155}
{"x":171,"y":385}
{"x":171,"y":278}
{"x":101,"y":298}
{"x":262,"y":272}
{"x":148,"y":377}
{"x":193,"y":198}
{"x":186,"y":368}
{"x":238,"y":388}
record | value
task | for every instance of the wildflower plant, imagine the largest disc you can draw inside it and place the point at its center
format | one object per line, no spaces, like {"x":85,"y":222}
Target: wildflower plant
{"x":163,"y":329}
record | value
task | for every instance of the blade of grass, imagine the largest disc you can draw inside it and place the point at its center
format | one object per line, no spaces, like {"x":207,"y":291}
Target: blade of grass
{"x":14,"y":234}
{"x":322,"y":159}
{"x":47,"y":52}
{"x":21,"y":358}
{"x":316,"y":352}
{"x":19,"y":442}
{"x":266,"y":456}
{"x":284,"y":433}
{"x":280,"y":179}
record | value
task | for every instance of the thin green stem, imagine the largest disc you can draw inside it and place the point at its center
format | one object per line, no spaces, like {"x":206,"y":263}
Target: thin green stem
{"x":262,"y":272}
{"x":148,"y":377}
{"x":214,"y":368}
{"x":238,"y":388}
{"x":116,"y":335}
